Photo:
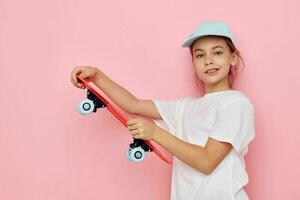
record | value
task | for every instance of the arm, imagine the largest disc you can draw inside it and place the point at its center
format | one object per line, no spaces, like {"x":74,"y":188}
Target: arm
{"x":124,"y":98}
{"x":204,"y":159}
{"x":119,"y":95}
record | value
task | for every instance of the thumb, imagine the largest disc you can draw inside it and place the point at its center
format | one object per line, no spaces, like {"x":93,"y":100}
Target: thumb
{"x":83,"y":74}
{"x":87,"y":75}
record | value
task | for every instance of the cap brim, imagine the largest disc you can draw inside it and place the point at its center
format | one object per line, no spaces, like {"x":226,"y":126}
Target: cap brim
{"x":190,"y":41}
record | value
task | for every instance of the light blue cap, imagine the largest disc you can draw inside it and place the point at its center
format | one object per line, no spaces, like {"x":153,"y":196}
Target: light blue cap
{"x":209,"y":28}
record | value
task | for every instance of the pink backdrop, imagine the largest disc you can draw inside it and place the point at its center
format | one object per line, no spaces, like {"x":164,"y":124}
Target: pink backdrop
{"x":49,"y":151}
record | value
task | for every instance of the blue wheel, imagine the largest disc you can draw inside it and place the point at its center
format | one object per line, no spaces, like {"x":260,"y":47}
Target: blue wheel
{"x":85,"y":107}
{"x":137,"y":154}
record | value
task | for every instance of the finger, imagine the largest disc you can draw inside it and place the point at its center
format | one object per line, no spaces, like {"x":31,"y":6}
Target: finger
{"x":77,"y":70}
{"x":132,"y":127}
{"x":134,"y":132}
{"x":131,"y":121}
{"x":72,"y":78}
{"x":138,"y":136}
{"x":84,"y":74}
{"x":74,"y":73}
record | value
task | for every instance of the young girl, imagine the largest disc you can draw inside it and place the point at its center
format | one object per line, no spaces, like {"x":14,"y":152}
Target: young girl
{"x":209,"y":135}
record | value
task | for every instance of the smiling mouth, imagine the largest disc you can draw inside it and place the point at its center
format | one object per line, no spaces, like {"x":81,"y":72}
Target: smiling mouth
{"x":212,"y":71}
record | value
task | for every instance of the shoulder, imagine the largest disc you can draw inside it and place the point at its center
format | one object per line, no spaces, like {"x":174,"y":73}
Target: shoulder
{"x":236,"y":98}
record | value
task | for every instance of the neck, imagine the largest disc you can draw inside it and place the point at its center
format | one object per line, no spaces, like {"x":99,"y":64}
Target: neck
{"x":217,"y":87}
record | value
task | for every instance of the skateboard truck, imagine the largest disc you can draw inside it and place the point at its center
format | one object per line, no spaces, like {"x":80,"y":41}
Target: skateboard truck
{"x":140,"y":143}
{"x":97,"y":102}
{"x":137,"y":150}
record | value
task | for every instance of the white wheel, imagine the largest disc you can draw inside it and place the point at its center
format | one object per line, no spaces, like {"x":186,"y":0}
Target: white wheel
{"x":85,"y":107}
{"x":137,"y":154}
{"x":128,"y":153}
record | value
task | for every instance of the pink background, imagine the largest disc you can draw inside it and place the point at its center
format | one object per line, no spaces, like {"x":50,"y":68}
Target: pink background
{"x":49,"y":151}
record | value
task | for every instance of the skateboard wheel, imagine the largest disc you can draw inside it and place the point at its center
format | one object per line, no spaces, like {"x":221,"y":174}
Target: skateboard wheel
{"x":137,"y":154}
{"x":128,"y":153}
{"x":86,"y":107}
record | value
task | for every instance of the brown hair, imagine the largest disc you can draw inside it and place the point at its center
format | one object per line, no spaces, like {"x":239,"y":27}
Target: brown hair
{"x":234,"y":70}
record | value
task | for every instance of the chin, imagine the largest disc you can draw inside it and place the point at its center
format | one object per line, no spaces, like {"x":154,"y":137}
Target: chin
{"x":213,"y":80}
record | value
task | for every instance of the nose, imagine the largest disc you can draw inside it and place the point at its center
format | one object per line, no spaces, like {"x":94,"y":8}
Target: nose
{"x":208,"y":60}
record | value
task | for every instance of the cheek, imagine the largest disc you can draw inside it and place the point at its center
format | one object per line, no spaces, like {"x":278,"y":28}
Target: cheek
{"x":198,"y":63}
{"x":222,"y":61}
{"x":225,"y":71}
{"x":199,"y":73}
{"x":198,"y":68}
{"x":224,"y":64}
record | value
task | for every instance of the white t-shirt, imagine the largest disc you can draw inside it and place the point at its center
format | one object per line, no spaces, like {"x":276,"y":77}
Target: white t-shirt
{"x":226,"y":116}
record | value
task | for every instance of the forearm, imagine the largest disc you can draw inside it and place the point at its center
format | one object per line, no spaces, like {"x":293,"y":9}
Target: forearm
{"x":119,"y":95}
{"x":193,"y":155}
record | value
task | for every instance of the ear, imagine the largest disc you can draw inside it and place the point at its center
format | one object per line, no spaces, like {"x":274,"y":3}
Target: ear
{"x":234,"y":59}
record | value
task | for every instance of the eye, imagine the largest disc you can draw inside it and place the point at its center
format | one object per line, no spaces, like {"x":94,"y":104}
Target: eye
{"x":199,"y":56}
{"x":218,"y":52}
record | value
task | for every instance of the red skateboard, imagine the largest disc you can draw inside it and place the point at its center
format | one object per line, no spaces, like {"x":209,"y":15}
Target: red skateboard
{"x":138,"y":148}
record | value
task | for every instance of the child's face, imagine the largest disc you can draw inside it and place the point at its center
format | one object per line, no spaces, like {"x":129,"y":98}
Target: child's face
{"x":206,"y":55}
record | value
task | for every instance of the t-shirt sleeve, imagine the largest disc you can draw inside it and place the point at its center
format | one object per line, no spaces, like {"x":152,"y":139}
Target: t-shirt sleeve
{"x":167,"y":110}
{"x":235,"y":123}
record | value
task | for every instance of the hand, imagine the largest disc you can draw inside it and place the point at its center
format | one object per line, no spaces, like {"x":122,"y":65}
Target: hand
{"x":142,"y":129}
{"x":86,"y":72}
